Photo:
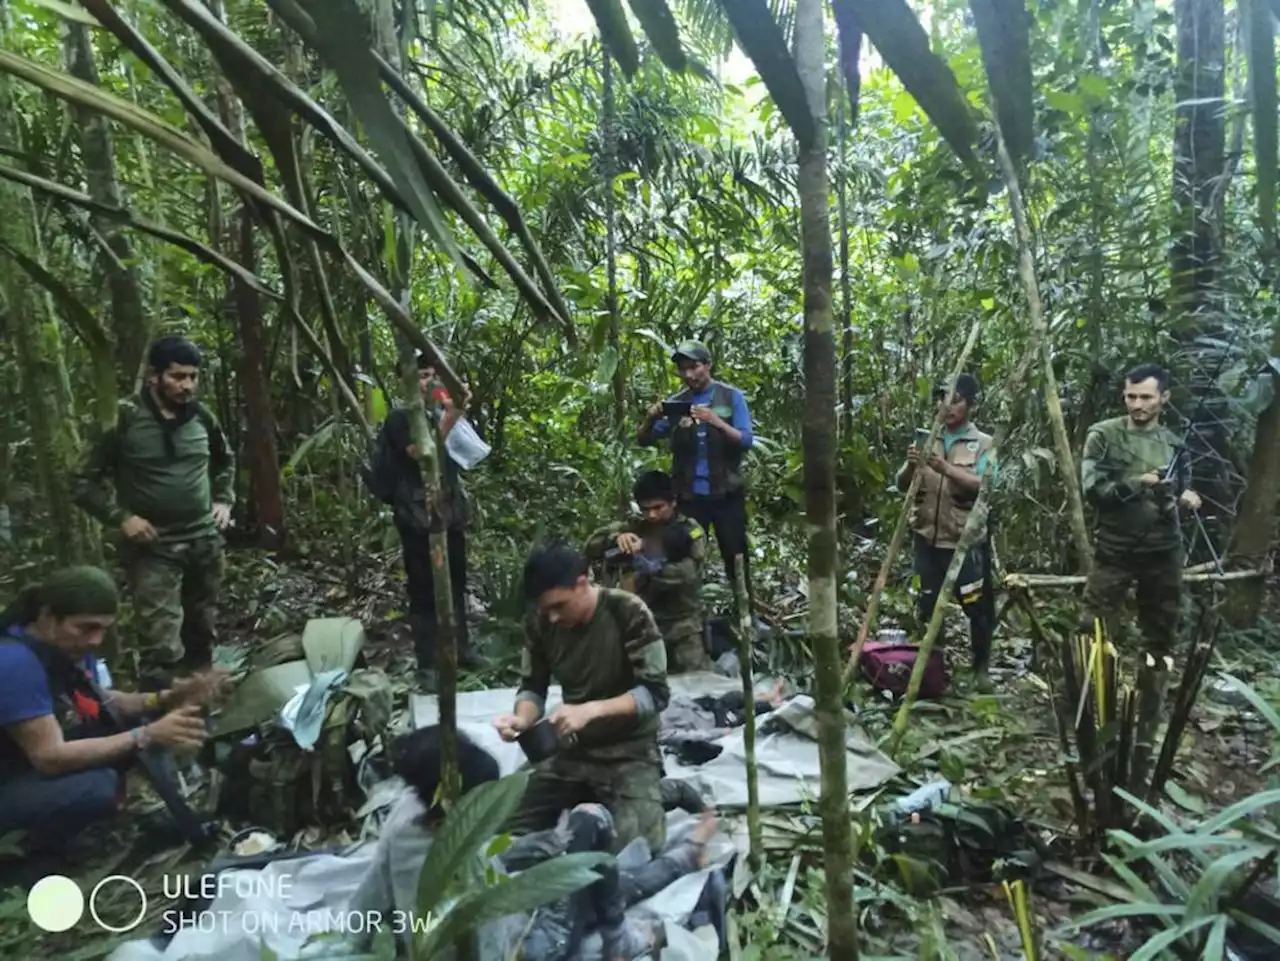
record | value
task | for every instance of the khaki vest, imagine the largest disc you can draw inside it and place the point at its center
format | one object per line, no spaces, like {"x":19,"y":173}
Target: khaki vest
{"x":941,"y":507}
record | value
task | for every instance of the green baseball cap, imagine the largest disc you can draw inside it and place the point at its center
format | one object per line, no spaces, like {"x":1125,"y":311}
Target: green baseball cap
{"x":692,"y":350}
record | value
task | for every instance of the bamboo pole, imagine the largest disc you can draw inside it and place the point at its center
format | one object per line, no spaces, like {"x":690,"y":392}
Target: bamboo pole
{"x":1040,"y":337}
{"x":900,"y":529}
{"x":974,"y":526}
{"x":1192,"y":575}
{"x":746,"y":648}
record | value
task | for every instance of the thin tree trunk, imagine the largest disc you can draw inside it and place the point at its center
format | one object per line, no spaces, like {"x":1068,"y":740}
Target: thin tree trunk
{"x":129,"y":319}
{"x":846,"y":297}
{"x":1256,"y":524}
{"x":1198,"y":163}
{"x":1040,"y":335}
{"x":819,"y":440}
{"x":262,"y":457}
{"x":609,"y":137}
{"x":974,"y":524}
{"x":746,"y":651}
{"x":429,"y":443}
{"x":900,"y":529}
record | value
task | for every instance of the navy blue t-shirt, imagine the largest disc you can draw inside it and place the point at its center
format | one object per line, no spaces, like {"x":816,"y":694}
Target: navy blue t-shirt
{"x":25,"y":694}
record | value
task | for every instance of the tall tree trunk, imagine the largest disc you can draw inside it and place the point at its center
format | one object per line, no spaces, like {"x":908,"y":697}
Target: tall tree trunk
{"x":819,"y":441}
{"x":388,"y":43}
{"x":1256,"y":525}
{"x":262,"y":457}
{"x":1195,"y":262}
{"x":609,"y":137}
{"x":128,"y":317}
{"x":37,"y":346}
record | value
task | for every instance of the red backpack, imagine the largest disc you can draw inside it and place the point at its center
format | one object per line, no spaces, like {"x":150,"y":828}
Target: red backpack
{"x":887,"y":666}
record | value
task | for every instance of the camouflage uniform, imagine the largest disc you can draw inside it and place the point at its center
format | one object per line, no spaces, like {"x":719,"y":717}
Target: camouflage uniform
{"x":1138,"y":534}
{"x":672,"y":593}
{"x":171,"y":473}
{"x":615,"y":761}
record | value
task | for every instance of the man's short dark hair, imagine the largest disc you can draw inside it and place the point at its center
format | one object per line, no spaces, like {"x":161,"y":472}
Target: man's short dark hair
{"x":425,"y":361}
{"x":416,"y":758}
{"x":654,"y":485}
{"x":171,"y":350}
{"x":1144,"y":371}
{"x":550,"y":567}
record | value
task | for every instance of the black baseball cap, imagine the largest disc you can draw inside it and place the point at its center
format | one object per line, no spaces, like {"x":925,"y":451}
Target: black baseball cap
{"x":693,"y":350}
{"x":966,"y":387}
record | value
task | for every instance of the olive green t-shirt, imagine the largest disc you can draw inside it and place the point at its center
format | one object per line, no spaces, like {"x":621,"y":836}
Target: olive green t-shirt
{"x":618,"y":651}
{"x":1131,"y":517}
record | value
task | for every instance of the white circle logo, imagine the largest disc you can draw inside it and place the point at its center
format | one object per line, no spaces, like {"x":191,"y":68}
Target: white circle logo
{"x":55,"y":903}
{"x":142,"y":907}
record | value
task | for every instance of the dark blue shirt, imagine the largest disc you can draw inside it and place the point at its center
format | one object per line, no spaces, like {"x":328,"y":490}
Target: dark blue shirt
{"x":24,"y":693}
{"x":741,"y":419}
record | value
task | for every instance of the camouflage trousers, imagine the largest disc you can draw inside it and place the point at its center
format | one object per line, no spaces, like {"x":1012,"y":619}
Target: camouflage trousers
{"x":686,"y":650}
{"x":628,"y":787}
{"x":175,"y":593}
{"x":1157,"y":577}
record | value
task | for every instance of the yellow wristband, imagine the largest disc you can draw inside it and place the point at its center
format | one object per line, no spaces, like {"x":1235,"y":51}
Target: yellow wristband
{"x":151,"y":702}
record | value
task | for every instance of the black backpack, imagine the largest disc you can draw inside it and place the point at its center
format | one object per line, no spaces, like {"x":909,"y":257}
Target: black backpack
{"x":379,"y":470}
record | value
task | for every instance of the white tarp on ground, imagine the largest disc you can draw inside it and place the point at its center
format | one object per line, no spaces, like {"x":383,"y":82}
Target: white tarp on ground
{"x":269,"y":913}
{"x":786,"y":760}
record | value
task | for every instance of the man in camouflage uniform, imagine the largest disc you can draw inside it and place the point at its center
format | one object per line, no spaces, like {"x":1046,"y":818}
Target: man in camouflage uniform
{"x":952,"y":474}
{"x":603,"y":647}
{"x":1136,"y":474}
{"x":666,"y":552}
{"x":164,"y":475}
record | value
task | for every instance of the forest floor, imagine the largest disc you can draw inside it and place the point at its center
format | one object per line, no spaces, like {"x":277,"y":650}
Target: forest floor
{"x":916,"y":900}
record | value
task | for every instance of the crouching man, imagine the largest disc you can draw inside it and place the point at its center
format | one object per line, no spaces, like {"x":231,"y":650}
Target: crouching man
{"x":666,"y":552}
{"x":603,"y":647}
{"x":62,"y":758}
{"x":593,"y":923}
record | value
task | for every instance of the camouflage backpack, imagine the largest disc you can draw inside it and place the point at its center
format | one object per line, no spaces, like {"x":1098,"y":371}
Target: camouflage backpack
{"x":291,"y":788}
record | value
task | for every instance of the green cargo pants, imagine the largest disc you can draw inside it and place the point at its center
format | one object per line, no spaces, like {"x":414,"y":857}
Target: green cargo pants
{"x":1158,"y":579}
{"x":175,"y":593}
{"x":628,"y":787}
{"x":686,"y":650}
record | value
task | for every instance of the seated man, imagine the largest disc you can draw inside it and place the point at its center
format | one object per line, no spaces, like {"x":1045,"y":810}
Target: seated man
{"x":62,"y":758}
{"x":666,"y":552}
{"x":589,"y":924}
{"x":604,"y":648}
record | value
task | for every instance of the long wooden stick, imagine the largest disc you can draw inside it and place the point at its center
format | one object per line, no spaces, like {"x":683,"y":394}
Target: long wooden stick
{"x":746,"y":649}
{"x":900,"y":530}
{"x":1075,"y":580}
{"x":1040,"y":336}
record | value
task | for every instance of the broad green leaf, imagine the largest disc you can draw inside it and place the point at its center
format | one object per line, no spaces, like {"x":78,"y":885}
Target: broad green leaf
{"x":1003,"y":35}
{"x":904,"y":105}
{"x":542,"y":884}
{"x":1213,"y":883}
{"x":68,"y":11}
{"x":1215,"y":947}
{"x":342,"y":39}
{"x":763,"y":41}
{"x":1113,"y":911}
{"x":660,"y":27}
{"x":1241,"y":809}
{"x":1067,"y":102}
{"x":1259,"y":703}
{"x":607,"y":365}
{"x":1094,"y":87}
{"x":1179,"y":796}
{"x":202,"y":252}
{"x":902,"y":42}
{"x":615,"y":33}
{"x":1153,"y":948}
{"x":470,"y":826}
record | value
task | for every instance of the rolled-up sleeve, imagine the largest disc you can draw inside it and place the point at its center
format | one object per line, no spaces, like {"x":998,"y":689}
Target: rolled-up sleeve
{"x":648,"y":656}
{"x":535,"y":669}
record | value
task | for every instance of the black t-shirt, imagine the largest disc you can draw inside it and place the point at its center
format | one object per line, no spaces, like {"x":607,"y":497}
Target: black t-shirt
{"x":411,"y":492}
